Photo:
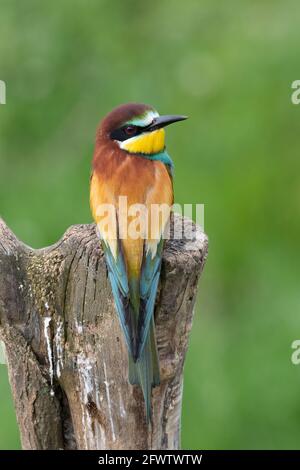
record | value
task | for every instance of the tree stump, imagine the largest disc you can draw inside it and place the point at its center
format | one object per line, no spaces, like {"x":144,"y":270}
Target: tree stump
{"x":66,"y":355}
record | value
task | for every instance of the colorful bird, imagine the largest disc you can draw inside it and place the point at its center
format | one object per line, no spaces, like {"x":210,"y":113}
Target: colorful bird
{"x":131,"y":165}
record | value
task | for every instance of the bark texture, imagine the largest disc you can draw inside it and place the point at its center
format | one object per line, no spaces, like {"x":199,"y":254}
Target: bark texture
{"x":66,"y":356}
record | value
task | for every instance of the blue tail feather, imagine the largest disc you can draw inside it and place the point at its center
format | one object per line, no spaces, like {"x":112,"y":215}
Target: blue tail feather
{"x":145,"y":371}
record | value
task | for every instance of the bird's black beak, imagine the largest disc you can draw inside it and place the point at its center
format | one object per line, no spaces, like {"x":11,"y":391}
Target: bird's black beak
{"x":163,"y":121}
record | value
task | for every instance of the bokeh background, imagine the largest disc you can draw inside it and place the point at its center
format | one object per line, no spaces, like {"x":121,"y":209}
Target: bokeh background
{"x":229,"y":66}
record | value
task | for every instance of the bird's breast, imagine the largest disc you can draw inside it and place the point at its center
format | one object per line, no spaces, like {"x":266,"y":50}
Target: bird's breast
{"x":136,"y":188}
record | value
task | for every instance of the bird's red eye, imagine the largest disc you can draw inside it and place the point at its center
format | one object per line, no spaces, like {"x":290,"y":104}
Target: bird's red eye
{"x":130,"y":130}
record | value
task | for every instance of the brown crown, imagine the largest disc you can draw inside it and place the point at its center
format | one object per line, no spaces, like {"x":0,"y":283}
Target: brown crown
{"x":119,"y":115}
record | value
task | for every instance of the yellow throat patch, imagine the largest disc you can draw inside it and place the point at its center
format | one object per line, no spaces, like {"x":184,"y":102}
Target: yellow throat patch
{"x":147,"y":143}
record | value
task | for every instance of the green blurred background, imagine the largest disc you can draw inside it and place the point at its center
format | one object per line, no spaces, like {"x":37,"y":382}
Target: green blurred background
{"x":229,"y":66}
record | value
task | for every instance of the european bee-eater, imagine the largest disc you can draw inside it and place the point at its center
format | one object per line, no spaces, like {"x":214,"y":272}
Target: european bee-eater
{"x":131,"y":161}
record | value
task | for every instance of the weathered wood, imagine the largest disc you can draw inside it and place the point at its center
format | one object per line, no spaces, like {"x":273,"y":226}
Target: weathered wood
{"x":66,"y":355}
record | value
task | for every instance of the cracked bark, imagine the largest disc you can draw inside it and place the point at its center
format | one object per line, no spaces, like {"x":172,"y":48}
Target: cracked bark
{"x":66,"y":356}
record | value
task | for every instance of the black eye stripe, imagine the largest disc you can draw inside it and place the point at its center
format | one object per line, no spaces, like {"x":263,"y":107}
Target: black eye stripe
{"x":121,"y":135}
